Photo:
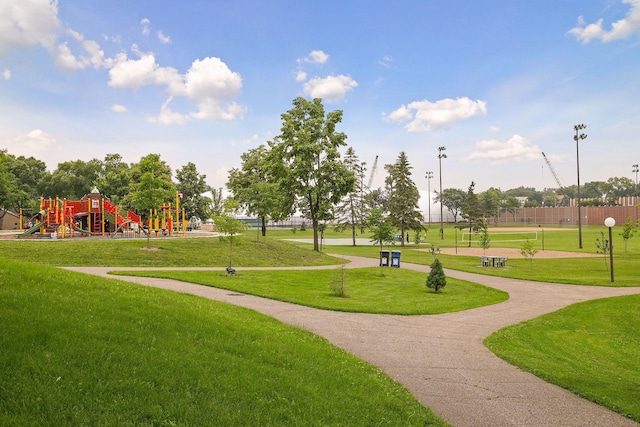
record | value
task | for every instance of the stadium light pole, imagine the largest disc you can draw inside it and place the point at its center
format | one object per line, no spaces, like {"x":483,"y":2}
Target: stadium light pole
{"x":579,"y":136}
{"x":635,"y":192}
{"x":429,"y":176}
{"x":441,"y":156}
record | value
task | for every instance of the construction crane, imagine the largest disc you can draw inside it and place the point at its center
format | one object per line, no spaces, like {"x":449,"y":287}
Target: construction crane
{"x":553,"y":172}
{"x":373,"y":172}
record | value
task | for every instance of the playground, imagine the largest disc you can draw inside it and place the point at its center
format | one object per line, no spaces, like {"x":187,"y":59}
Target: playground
{"x":94,"y":215}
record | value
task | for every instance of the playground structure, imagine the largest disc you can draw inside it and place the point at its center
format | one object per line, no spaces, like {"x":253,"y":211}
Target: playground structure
{"x":95,"y":215}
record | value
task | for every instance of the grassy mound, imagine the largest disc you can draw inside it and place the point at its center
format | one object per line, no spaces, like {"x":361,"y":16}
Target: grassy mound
{"x":80,"y":350}
{"x":176,"y":252}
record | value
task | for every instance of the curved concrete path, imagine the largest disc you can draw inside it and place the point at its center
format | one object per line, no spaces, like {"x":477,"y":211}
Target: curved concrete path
{"x":441,"y":358}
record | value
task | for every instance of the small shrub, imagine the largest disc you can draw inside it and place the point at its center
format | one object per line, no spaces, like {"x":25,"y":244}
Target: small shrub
{"x":338,"y":284}
{"x":436,"y":280}
{"x":528,"y":251}
{"x":303,"y":226}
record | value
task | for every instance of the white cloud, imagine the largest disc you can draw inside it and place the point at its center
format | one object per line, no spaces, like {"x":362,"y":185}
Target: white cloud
{"x":426,"y":115}
{"x":145,"y":24}
{"x":331,"y":88}
{"x":117,"y":108}
{"x":163,"y":39}
{"x":65,"y":59}
{"x":168,"y":116}
{"x":135,"y":73}
{"x":26,"y":23}
{"x":386,"y":61}
{"x":36,"y":143}
{"x":316,"y":57}
{"x":212,"y":84}
{"x":209,"y":82}
{"x":620,"y":29}
{"x":301,"y":76}
{"x":516,"y":149}
{"x":6,"y":74}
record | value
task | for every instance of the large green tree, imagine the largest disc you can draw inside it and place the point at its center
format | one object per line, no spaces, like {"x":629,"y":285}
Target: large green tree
{"x":7,"y":184}
{"x":351,"y":212}
{"x":192,"y":186}
{"x":151,"y":185}
{"x":490,"y":201}
{"x":253,"y":186}
{"x":403,"y":197}
{"x":452,"y":199}
{"x":305,"y":160}
{"x":20,"y":184}
{"x":114,"y":178}
{"x":72,"y":179}
{"x":472,"y":210}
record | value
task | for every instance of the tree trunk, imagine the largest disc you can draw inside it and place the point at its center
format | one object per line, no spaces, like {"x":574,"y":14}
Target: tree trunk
{"x":264,"y":226}
{"x":314,"y":221}
{"x":353,"y":235}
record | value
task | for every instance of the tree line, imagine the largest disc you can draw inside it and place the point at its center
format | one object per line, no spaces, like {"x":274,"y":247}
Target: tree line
{"x":138,"y":187}
{"x":302,"y":170}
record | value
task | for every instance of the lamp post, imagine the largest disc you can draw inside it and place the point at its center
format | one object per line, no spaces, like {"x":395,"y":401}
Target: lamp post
{"x":610,"y":222}
{"x":578,"y":136}
{"x":441,"y":156}
{"x":635,"y":192}
{"x":429,"y":176}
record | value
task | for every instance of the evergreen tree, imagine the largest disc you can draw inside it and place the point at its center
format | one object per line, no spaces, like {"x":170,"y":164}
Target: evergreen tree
{"x":351,"y":212}
{"x":436,"y":279}
{"x":403,"y":197}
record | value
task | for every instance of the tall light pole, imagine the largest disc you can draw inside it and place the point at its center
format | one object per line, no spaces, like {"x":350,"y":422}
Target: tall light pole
{"x":610,"y":222}
{"x":441,"y":156}
{"x":429,"y":176}
{"x":578,"y":136}
{"x":635,"y":192}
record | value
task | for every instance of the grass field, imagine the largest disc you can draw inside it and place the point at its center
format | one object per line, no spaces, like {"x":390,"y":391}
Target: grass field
{"x":591,"y":349}
{"x":398,"y":292}
{"x":580,"y":271}
{"x":60,"y":358}
{"x":80,"y":350}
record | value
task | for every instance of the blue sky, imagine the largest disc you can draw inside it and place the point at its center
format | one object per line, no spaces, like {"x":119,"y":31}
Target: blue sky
{"x":496,"y":82}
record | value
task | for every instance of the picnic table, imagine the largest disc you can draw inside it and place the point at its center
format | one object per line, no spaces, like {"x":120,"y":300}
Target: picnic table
{"x":493,"y":260}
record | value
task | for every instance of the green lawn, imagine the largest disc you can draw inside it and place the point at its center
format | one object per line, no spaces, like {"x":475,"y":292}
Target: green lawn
{"x":579,"y":271}
{"x":399,"y":291}
{"x":81,"y":350}
{"x":591,"y":349}
{"x":175,"y":252}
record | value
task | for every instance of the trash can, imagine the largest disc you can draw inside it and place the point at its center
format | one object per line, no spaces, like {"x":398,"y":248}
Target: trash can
{"x":384,"y":258}
{"x":395,"y":259}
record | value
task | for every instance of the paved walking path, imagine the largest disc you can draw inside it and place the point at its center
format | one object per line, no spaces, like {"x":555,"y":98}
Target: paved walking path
{"x":441,"y":358}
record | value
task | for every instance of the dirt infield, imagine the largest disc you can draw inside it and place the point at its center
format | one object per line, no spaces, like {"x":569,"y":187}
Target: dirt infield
{"x":511,"y":253}
{"x":515,"y":252}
